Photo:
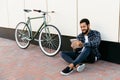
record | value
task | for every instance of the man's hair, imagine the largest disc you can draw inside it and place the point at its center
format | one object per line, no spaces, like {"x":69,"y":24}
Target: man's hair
{"x":85,"y":20}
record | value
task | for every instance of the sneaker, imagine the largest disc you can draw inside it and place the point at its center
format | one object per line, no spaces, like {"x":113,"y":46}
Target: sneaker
{"x":66,"y":71}
{"x":81,"y":67}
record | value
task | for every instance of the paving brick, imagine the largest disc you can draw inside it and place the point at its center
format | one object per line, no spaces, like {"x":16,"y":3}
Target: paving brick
{"x":32,"y":64}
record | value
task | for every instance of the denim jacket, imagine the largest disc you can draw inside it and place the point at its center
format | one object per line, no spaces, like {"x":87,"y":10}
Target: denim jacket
{"x":94,"y":40}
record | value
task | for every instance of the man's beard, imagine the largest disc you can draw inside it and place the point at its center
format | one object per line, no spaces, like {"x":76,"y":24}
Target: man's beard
{"x":85,"y":31}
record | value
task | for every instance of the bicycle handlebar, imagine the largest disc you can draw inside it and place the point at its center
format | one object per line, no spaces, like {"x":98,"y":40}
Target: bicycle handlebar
{"x":43,"y":11}
{"x":39,"y":11}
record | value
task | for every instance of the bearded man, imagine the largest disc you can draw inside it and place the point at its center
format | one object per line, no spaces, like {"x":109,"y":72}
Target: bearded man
{"x":85,"y":49}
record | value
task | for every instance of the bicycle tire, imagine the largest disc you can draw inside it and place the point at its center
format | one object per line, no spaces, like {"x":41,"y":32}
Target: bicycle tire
{"x":22,"y":32}
{"x":52,"y":36}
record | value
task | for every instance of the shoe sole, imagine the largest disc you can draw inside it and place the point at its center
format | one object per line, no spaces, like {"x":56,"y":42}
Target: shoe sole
{"x":81,"y":68}
{"x":65,"y":74}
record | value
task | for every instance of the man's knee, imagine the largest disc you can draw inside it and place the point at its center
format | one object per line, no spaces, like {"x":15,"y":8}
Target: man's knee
{"x":62,"y":54}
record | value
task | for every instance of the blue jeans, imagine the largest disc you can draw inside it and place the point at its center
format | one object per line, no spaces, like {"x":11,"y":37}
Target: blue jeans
{"x":79,"y":57}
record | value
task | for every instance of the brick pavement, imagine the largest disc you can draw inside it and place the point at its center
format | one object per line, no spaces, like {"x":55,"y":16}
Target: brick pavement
{"x":32,"y":64}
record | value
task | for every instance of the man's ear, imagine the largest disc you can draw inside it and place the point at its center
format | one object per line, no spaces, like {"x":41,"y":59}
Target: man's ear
{"x":89,"y":25}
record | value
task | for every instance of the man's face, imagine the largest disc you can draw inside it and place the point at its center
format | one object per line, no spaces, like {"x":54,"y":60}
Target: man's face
{"x":84,"y":27}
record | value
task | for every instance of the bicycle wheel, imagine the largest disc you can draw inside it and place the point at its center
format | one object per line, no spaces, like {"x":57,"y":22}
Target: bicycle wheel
{"x":22,"y":35}
{"x":50,"y":40}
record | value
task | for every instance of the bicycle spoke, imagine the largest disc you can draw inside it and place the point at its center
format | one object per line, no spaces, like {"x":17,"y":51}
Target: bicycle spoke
{"x":44,"y":44}
{"x":54,"y":36}
{"x":55,"y":47}
{"x":52,"y":45}
{"x":20,"y":32}
{"x":43,"y":38}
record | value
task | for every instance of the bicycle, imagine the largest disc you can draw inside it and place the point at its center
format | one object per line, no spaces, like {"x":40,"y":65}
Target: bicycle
{"x":49,"y":35}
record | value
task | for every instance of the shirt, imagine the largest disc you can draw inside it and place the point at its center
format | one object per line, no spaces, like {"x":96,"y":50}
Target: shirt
{"x":86,"y":40}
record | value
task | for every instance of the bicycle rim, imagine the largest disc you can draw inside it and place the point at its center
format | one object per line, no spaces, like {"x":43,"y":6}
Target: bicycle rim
{"x":50,"y":40}
{"x":22,"y":34}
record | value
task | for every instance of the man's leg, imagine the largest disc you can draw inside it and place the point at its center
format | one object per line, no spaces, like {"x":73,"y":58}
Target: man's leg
{"x":69,"y":56}
{"x":82,"y":56}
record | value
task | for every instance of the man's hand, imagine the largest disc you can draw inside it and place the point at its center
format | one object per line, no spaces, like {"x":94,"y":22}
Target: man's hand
{"x":76,"y":44}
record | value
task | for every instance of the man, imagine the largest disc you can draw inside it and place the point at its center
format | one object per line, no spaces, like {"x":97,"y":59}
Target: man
{"x":85,"y":49}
